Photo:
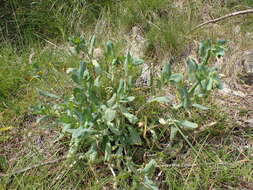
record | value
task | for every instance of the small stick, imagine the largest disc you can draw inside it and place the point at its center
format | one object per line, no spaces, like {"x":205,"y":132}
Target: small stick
{"x":208,"y":164}
{"x":248,"y":11}
{"x":33,"y":167}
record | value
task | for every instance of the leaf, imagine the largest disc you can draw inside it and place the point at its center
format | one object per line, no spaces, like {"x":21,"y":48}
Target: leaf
{"x":166,"y":71}
{"x":204,"y":49}
{"x":134,"y":136}
{"x":131,"y":118}
{"x":127,"y":99}
{"x":121,"y":86}
{"x":185,"y":99}
{"x":192,"y":68}
{"x":112,"y":100}
{"x":110,"y":114}
{"x":114,"y":129}
{"x":137,"y":61}
{"x":200,"y":106}
{"x":150,"y":184}
{"x":97,"y":67}
{"x":221,"y":42}
{"x":108,"y":151}
{"x":209,"y":84}
{"x":110,"y":48}
{"x":173,"y":133}
{"x":92,"y":154}
{"x":161,"y":99}
{"x":188,"y":124}
{"x":176,"y":78}
{"x":81,"y":133}
{"x":81,"y":70}
{"x":48,"y":94}
{"x":92,"y":44}
{"x":150,"y":167}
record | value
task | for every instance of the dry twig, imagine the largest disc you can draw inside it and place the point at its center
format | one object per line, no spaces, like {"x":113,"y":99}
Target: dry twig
{"x":33,"y":167}
{"x":248,"y":11}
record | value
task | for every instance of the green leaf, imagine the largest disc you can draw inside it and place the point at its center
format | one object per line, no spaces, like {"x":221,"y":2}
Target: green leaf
{"x":121,"y":86}
{"x":200,"y":106}
{"x":192,"y":67}
{"x":134,"y":136}
{"x":108,"y":151}
{"x":161,"y":99}
{"x":127,"y":99}
{"x":112,"y":100}
{"x":173,"y":133}
{"x":137,"y":61}
{"x":166,"y":70}
{"x":204,"y":50}
{"x":48,"y":94}
{"x":221,"y":42}
{"x":185,"y":99}
{"x":81,"y":133}
{"x":92,"y":44}
{"x":177,"y":77}
{"x":150,"y":184}
{"x":114,"y":129}
{"x":97,"y":67}
{"x":110,"y":48}
{"x":110,"y":114}
{"x":150,"y":167}
{"x":131,"y":118}
{"x":81,"y":70}
{"x":209,"y":84}
{"x":92,"y":154}
{"x":188,"y":124}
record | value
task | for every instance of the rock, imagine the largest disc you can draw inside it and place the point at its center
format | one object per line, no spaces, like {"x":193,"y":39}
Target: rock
{"x":137,"y":43}
{"x":228,"y":91}
{"x":247,"y":63}
{"x":250,"y":122}
{"x":144,"y":79}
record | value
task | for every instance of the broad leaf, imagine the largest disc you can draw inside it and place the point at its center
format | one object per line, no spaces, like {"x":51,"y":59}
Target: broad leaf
{"x":176,"y":78}
{"x":110,"y":115}
{"x":97,"y":67}
{"x":166,"y":71}
{"x":173,"y":133}
{"x":48,"y":94}
{"x":134,"y":136}
{"x":92,"y":44}
{"x":188,"y":124}
{"x":112,"y":100}
{"x":131,"y":118}
{"x":137,"y":61}
{"x":150,"y":167}
{"x":108,"y":151}
{"x":127,"y":99}
{"x":150,"y":184}
{"x":200,"y":106}
{"x":161,"y":99}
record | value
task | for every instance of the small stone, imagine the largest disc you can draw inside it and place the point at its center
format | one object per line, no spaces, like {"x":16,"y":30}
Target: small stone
{"x":250,"y":122}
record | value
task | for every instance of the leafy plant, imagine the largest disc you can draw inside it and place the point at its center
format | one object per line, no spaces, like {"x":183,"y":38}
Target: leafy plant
{"x":201,"y":79}
{"x":98,"y":116}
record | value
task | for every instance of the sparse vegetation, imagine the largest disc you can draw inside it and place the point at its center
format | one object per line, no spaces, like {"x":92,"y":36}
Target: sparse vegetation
{"x":72,"y":116}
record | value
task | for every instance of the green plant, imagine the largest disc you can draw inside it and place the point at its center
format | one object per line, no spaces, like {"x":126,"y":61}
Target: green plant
{"x":201,"y":79}
{"x":98,"y":116}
